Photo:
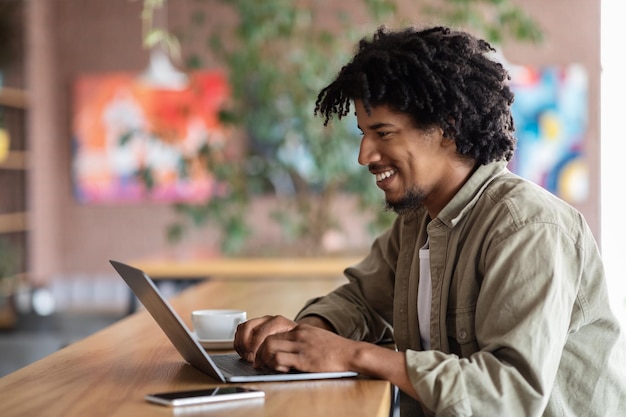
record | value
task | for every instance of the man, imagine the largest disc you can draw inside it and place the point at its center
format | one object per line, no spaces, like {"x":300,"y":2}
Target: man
{"x":492,"y":288}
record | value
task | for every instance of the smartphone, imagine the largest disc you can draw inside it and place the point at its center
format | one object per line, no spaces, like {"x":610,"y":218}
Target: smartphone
{"x":203,"y":396}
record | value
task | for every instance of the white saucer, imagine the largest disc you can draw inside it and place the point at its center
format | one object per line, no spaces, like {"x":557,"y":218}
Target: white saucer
{"x":215,"y":344}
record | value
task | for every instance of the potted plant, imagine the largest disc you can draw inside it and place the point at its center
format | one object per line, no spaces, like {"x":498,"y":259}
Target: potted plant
{"x":10,"y":261}
{"x":278,"y":59}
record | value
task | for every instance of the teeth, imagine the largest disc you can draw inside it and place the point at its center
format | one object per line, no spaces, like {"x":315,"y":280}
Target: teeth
{"x":386,"y":174}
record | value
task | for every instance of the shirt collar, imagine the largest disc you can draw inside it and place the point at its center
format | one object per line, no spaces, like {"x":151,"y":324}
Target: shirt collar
{"x":465,"y":199}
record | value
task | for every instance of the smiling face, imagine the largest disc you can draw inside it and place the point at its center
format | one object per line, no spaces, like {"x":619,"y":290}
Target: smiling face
{"x":412,"y":166}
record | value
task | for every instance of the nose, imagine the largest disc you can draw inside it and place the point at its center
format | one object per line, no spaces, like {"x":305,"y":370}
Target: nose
{"x":368,"y":152}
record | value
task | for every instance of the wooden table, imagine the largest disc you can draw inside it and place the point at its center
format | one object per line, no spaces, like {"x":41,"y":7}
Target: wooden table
{"x":187,"y":266}
{"x":108,"y":373}
{"x":198,"y":265}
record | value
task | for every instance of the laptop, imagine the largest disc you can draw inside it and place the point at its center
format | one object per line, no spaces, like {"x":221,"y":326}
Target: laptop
{"x":225,"y":367}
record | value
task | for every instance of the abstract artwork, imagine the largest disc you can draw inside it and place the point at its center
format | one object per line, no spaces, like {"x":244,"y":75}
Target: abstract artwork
{"x":551,"y":119}
{"x":136,"y":142}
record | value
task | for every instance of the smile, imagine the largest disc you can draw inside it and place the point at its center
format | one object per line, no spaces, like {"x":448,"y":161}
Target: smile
{"x":384,"y":175}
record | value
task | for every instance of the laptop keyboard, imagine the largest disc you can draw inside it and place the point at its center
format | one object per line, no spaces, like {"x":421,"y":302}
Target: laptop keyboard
{"x":232,"y":364}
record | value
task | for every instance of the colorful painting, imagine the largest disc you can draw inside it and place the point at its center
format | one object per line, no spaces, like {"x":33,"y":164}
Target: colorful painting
{"x":551,"y":117}
{"x":137,"y":142}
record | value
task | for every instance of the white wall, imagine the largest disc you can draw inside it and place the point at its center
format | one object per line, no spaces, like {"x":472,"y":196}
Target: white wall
{"x":613,"y":148}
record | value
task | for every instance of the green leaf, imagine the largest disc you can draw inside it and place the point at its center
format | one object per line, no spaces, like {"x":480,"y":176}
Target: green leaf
{"x":175,"y":232}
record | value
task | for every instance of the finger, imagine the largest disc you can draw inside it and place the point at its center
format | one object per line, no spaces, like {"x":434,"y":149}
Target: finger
{"x":254,"y":334}
{"x":276,"y":325}
{"x":288,"y":350}
{"x":305,"y":348}
{"x":284,"y":362}
{"x":243,"y":335}
{"x":277,"y":353}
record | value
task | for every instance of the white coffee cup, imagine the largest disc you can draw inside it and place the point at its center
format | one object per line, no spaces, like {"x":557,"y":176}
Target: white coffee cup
{"x":216,"y":324}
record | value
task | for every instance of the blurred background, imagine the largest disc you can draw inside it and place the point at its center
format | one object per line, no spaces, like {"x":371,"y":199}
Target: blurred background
{"x":136,"y":129}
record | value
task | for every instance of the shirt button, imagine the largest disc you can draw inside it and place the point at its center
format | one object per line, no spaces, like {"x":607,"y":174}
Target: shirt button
{"x":462,"y":334}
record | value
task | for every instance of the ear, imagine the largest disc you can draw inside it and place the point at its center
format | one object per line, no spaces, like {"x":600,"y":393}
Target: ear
{"x":451,"y":124}
{"x":445,"y":140}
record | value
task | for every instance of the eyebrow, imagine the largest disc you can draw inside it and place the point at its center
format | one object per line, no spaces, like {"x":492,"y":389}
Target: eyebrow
{"x":377,"y":126}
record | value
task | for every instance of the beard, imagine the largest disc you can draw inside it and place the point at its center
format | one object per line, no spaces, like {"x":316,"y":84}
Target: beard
{"x":410,"y":202}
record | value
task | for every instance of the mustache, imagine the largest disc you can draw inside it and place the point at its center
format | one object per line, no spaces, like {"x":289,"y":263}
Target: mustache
{"x":374,"y":168}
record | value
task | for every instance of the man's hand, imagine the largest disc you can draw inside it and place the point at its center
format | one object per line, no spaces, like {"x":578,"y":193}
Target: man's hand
{"x":251,"y":334}
{"x":306,"y":348}
{"x":310,"y":345}
{"x":278,"y":343}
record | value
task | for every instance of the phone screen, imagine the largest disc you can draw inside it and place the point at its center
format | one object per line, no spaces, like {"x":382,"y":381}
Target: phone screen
{"x":203,"y":396}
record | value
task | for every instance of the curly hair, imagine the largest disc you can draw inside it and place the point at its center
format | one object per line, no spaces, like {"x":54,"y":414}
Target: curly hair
{"x":439,"y":77}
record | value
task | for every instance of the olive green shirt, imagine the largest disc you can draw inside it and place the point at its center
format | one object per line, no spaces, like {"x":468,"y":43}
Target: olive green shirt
{"x":520,"y":320}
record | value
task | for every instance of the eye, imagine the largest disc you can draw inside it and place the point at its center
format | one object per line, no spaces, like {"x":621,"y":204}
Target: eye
{"x":382,"y":134}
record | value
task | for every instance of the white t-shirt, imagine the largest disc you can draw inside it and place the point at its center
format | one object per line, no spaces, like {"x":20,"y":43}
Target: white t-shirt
{"x":424,"y":296}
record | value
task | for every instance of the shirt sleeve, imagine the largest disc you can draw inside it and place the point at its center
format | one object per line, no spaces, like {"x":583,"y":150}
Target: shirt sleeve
{"x":363,"y":308}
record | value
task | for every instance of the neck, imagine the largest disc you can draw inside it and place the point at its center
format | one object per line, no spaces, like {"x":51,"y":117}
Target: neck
{"x":459,"y":174}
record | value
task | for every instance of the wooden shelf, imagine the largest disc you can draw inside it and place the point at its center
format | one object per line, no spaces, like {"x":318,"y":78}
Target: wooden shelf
{"x":13,"y":222}
{"x":15,"y":160}
{"x":13,"y":97}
